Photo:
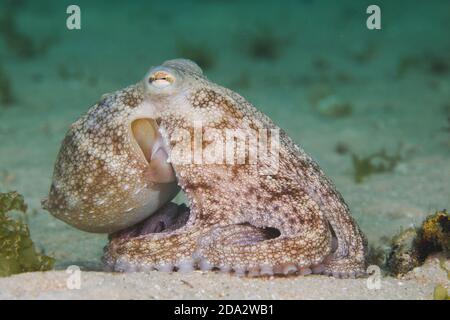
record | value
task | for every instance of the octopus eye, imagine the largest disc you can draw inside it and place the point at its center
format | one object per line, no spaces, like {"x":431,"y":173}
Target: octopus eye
{"x":161,"y":79}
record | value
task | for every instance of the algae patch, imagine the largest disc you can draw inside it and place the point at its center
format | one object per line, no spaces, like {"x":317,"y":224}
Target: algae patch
{"x":202,"y":55}
{"x":379,"y":162}
{"x":17,"y":251}
{"x":263,"y":44}
{"x":434,"y":235}
{"x":440,"y":293}
{"x":6,"y":92}
{"x":412,"y":246}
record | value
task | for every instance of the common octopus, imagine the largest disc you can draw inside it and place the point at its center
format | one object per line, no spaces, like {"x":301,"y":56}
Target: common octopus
{"x":122,"y":163}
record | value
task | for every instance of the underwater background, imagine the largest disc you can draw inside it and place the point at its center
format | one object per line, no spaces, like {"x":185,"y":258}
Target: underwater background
{"x":371,"y":106}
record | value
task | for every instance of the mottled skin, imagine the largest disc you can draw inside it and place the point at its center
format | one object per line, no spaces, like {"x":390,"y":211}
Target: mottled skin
{"x":234,"y":207}
{"x":100,"y":183}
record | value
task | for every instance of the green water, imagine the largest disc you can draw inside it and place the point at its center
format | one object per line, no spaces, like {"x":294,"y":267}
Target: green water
{"x":335,"y":86}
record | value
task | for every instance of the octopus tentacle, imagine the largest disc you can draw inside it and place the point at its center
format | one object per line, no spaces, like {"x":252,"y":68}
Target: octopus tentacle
{"x":162,"y":252}
{"x":234,"y":246}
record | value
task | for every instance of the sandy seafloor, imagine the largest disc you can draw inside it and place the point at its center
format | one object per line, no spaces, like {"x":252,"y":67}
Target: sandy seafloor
{"x":397,"y":81}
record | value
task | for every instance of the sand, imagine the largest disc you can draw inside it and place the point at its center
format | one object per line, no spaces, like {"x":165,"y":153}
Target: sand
{"x":418,"y":284}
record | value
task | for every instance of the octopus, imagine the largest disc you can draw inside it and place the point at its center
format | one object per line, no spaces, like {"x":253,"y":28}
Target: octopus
{"x":256,"y":203}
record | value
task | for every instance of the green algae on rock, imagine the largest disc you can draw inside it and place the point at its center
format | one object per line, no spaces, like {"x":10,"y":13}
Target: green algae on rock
{"x":411,"y":247}
{"x":17,"y":251}
{"x":440,"y":293}
{"x":434,"y":235}
{"x":403,"y":256}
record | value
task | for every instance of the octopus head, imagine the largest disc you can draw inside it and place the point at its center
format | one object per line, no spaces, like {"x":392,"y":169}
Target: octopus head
{"x":111,"y":171}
